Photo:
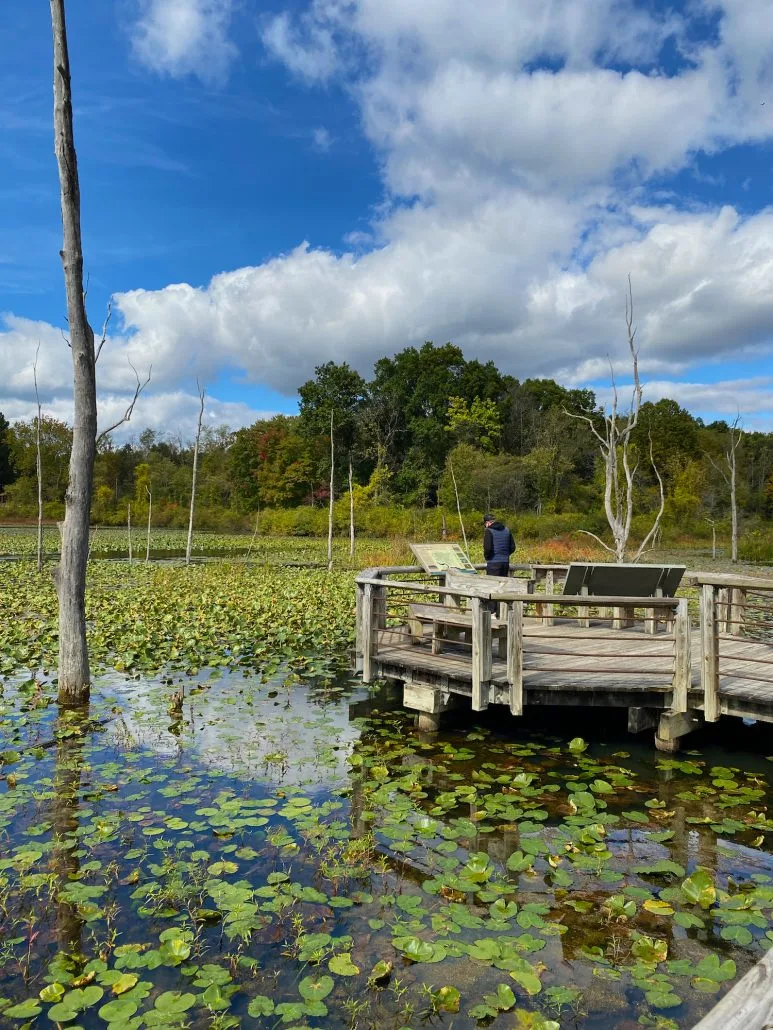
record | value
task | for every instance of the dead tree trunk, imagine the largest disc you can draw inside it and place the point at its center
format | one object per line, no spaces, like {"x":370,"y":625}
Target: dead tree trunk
{"x":129,"y":529}
{"x":351,"y":511}
{"x":150,"y":512}
{"x":729,"y":474}
{"x":70,"y":574}
{"x":330,"y":506}
{"x":38,"y":464}
{"x":619,"y":471}
{"x":193,"y":477}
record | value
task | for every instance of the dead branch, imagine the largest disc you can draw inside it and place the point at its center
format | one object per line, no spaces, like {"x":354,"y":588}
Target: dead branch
{"x":130,"y":409}
{"x":587,"y":532}
{"x":104,"y":330}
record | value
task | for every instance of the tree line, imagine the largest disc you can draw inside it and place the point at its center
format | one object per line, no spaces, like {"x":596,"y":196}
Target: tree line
{"x":426,"y":417}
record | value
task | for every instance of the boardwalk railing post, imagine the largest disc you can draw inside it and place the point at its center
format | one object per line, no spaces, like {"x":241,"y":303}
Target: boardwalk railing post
{"x":682,"y":657}
{"x":515,"y":655}
{"x":481,"y":653}
{"x":737,"y":613}
{"x":709,"y":654}
{"x":367,"y":632}
{"x":359,"y":593}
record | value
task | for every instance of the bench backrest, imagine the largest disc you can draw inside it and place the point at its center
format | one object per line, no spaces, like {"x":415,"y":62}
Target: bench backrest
{"x":623,"y":580}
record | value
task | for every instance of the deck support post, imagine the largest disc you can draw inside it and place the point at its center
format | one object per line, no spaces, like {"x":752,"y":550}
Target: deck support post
{"x":737,"y":613}
{"x":481,"y":653}
{"x":672,"y":726}
{"x":583,"y":613}
{"x":709,"y":654}
{"x":640,"y":719}
{"x":515,"y":656}
{"x":428,"y":722}
{"x":682,"y":657}
{"x":367,"y":640}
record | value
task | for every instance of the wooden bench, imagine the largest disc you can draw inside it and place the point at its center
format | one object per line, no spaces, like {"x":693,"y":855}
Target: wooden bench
{"x":442,"y":616}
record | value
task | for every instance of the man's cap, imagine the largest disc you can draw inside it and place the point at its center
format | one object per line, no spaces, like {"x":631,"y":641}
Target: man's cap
{"x":489,"y":518}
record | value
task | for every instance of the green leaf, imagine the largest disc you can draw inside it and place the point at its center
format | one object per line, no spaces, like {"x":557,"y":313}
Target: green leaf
{"x":699,"y":888}
{"x":342,"y":965}
{"x":447,"y":999}
{"x":25,"y":1010}
{"x":260,"y":1006}
{"x":173,"y":1003}
{"x":118,"y":1010}
{"x":737,"y":934}
{"x":315,"y":988}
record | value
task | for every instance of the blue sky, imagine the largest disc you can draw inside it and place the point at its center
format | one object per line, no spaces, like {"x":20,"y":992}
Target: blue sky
{"x":269,"y":187}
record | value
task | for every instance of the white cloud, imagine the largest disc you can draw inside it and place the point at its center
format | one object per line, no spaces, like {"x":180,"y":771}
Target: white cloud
{"x":724,"y":399}
{"x":184,"y":37}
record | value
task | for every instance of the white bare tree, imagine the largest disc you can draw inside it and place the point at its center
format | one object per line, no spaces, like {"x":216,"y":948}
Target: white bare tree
{"x":70,"y":574}
{"x":332,"y":497}
{"x":188,"y":546}
{"x":351,"y":511}
{"x":149,"y":492}
{"x":38,"y":462}
{"x":620,"y":461}
{"x":728,"y":470}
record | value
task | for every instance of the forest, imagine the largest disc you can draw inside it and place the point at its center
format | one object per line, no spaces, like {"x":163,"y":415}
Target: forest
{"x":426,"y":417}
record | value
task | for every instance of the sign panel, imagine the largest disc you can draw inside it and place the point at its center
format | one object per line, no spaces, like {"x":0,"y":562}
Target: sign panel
{"x":441,"y":557}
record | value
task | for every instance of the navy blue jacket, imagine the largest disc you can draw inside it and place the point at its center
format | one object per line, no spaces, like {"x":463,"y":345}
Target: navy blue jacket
{"x":498,"y":543}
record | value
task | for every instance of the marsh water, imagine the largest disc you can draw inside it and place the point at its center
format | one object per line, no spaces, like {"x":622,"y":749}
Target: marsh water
{"x":221,"y":850}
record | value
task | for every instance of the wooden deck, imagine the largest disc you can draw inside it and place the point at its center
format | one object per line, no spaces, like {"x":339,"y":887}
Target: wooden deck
{"x":666,"y":658}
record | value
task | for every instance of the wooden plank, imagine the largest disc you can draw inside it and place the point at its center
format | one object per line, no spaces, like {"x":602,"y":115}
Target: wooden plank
{"x":709,"y":654}
{"x":682,"y":657}
{"x":729,"y":580}
{"x":486,"y":586}
{"x":748,"y":1005}
{"x":481,"y":654}
{"x":515,"y":657}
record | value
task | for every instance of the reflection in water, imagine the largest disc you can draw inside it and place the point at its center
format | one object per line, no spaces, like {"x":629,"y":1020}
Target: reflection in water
{"x":68,"y":772}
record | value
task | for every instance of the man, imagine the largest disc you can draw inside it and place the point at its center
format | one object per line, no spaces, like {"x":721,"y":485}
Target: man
{"x":498,"y":545}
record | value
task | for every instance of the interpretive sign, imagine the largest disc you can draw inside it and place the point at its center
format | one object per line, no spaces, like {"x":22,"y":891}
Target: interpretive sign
{"x":441,"y":557}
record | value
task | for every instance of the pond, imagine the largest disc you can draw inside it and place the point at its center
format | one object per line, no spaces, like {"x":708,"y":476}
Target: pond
{"x":222,"y":850}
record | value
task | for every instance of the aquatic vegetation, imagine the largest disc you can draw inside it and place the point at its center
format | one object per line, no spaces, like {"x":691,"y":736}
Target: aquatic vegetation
{"x":239,"y":833}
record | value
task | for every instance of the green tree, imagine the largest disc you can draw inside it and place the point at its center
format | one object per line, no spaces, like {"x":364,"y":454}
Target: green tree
{"x":55,"y":444}
{"x":7,"y":471}
{"x":479,"y":423}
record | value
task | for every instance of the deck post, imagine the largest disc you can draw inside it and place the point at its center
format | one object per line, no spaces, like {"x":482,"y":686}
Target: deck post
{"x":723,"y":609}
{"x":359,"y":650}
{"x":515,"y":656}
{"x":682,"y":657}
{"x":548,"y":609}
{"x":583,"y":613}
{"x":367,"y":634}
{"x":737,"y":612}
{"x":709,"y":654}
{"x":481,"y":653}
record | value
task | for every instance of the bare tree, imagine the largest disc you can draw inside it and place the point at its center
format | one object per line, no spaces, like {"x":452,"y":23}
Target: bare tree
{"x":728,"y":471}
{"x":332,"y":498}
{"x":351,"y":511}
{"x":129,"y":529}
{"x":201,"y":392}
{"x":38,"y":462}
{"x":620,"y":463}
{"x":150,"y":513}
{"x":70,"y":574}
{"x":713,"y":524}
{"x":459,"y":509}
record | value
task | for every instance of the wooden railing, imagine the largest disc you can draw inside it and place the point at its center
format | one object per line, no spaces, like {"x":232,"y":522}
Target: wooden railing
{"x":382,"y":603}
{"x":733,"y":607}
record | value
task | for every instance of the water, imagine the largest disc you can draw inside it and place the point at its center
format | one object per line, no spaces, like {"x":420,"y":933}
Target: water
{"x":279,"y":840}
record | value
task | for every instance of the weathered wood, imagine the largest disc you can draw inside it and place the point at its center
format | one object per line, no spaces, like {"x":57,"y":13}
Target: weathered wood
{"x":425,"y":699}
{"x":709,"y":654}
{"x":367,"y":632}
{"x":584,"y":615}
{"x":673,"y":725}
{"x":730,"y":580}
{"x":737,"y":612}
{"x":748,"y":1005}
{"x":481,"y":654}
{"x":515,"y":657}
{"x":682,"y":657}
{"x":486,"y":586}
{"x":640,"y":719}
{"x":428,"y":722}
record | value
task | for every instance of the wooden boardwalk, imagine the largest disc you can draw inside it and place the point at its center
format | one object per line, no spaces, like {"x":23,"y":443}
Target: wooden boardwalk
{"x":672,"y":662}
